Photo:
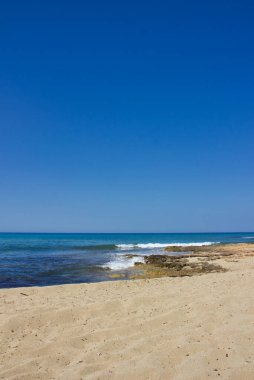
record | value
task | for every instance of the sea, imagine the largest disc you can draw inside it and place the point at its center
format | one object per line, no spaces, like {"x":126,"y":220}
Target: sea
{"x":43,"y":259}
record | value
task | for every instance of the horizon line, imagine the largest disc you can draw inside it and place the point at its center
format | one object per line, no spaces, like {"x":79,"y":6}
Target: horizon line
{"x":66,"y":232}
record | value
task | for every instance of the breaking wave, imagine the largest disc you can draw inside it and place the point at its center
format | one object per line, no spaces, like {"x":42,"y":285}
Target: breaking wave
{"x":122,"y":262}
{"x":163,"y":245}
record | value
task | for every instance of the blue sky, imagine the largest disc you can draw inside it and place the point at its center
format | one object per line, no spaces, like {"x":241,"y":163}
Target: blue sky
{"x":127,"y":116}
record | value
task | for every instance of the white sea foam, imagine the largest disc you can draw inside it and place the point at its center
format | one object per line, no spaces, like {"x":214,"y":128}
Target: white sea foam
{"x":122,"y":262}
{"x":163,"y":245}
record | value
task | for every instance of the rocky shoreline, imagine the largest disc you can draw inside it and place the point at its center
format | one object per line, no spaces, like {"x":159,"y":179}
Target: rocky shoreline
{"x":199,"y":260}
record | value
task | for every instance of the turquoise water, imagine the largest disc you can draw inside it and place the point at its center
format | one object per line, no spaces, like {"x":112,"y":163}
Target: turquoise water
{"x":50,"y":259}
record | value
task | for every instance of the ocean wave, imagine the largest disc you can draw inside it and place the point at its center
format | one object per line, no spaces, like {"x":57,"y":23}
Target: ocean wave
{"x":122,"y":262}
{"x":99,"y":247}
{"x":163,"y":245}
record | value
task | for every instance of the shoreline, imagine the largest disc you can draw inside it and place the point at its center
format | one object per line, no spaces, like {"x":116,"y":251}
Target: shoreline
{"x":190,"y":327}
{"x":177,"y":262}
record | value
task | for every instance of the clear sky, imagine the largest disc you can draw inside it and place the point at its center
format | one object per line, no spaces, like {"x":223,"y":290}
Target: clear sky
{"x":127,"y":116}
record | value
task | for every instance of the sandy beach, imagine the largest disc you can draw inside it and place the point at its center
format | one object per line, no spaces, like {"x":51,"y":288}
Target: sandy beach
{"x":193,"y":327}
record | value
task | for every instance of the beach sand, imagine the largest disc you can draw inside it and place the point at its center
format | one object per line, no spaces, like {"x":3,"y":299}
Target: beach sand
{"x":195,"y":327}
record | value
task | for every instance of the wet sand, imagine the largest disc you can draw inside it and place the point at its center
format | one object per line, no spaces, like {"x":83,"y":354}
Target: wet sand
{"x":190,"y":327}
